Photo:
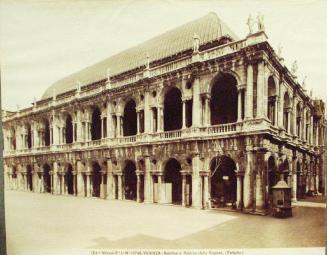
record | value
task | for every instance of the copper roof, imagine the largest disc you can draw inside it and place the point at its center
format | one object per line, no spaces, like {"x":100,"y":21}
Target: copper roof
{"x":209,"y":28}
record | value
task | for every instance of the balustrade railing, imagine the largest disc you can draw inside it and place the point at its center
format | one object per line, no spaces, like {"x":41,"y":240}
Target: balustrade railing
{"x":139,"y":138}
{"x":224,"y":128}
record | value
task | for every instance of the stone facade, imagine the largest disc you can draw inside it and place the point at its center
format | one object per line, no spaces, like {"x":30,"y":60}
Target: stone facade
{"x":215,"y":127}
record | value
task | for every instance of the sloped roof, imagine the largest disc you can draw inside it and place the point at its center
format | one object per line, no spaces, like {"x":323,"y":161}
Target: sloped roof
{"x":208,"y":27}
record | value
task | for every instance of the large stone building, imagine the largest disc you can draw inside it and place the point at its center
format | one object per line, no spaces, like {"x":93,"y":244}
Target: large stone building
{"x":195,"y":116}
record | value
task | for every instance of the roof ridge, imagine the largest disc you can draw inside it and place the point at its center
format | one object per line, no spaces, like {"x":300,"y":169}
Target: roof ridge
{"x":209,"y":27}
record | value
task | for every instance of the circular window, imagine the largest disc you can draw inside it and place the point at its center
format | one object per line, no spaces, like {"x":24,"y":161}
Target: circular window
{"x":154,"y":93}
{"x":142,"y":97}
{"x":114,"y":103}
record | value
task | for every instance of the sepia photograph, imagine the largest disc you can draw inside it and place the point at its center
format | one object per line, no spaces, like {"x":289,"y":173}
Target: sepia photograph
{"x":165,"y":127}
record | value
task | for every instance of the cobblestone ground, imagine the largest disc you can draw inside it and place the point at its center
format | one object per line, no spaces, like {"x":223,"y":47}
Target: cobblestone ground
{"x":48,"y":224}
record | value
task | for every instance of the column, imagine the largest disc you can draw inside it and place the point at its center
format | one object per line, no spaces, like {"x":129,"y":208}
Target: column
{"x":184,"y":115}
{"x":259,"y":198}
{"x":102,"y":124}
{"x":184,"y":190}
{"x":147,"y":113}
{"x":88,"y":184}
{"x":196,"y":103}
{"x":54,"y":183}
{"x":42,"y":183}
{"x":289,"y":120}
{"x":239,"y":196}
{"x":118,"y":125}
{"x":110,"y":181}
{"x":294,"y":116}
{"x":196,"y":182}
{"x":207,"y":111}
{"x":311,"y":129}
{"x":138,"y":188}
{"x":102,"y":190}
{"x":248,"y":193}
{"x":138,"y":122}
{"x":161,"y":189}
{"x":148,"y":182}
{"x":80,"y":186}
{"x":260,"y":91}
{"x":159,"y":119}
{"x":52,"y":188}
{"x":239,"y":105}
{"x":120,"y":187}
{"x":62,"y":182}
{"x":249,"y":93}
{"x":206,"y":202}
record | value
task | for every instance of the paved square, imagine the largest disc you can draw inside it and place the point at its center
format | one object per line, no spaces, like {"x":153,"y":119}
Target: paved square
{"x":48,"y":224}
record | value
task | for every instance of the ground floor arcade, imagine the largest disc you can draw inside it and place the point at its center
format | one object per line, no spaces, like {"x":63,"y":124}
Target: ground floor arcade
{"x":209,"y":178}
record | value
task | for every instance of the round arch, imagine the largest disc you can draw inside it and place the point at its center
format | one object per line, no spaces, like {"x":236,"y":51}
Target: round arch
{"x":173,"y":109}
{"x":96,"y":124}
{"x":47,"y":178}
{"x":96,"y":179}
{"x":29,"y":177}
{"x":172,"y":175}
{"x":130,"y":180}
{"x":223,"y":182}
{"x":273,"y":175}
{"x":69,"y":179}
{"x":271,"y":99}
{"x":69,"y":129}
{"x":130,"y":118}
{"x":223,"y":108}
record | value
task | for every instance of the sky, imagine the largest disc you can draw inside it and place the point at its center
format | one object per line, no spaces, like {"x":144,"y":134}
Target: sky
{"x":44,"y":41}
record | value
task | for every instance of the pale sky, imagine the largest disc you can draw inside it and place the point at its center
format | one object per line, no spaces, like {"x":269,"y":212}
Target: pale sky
{"x":44,"y":41}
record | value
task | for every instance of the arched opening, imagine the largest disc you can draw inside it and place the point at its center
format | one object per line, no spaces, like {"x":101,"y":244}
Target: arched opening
{"x":29,"y":137}
{"x":130,"y":118}
{"x":130,"y":181}
{"x":286,"y":112}
{"x":29,"y":177}
{"x":46,"y":132}
{"x":273,"y":175}
{"x":96,"y":179}
{"x":173,"y":110}
{"x":298,"y":119}
{"x":69,"y":178}
{"x":271,"y":99}
{"x":223,"y":183}
{"x":224,"y":108}
{"x":46,"y":178}
{"x":173,"y":176}
{"x":96,"y":124}
{"x":285,"y":171}
{"x":69,"y":129}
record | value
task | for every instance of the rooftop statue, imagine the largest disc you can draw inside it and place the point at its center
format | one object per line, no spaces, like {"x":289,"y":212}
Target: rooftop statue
{"x":260,"y":22}
{"x":294,"y":67}
{"x":147,"y":61}
{"x":250,"y":24}
{"x":79,"y":85}
{"x":279,"y":51}
{"x":196,"y":42}
{"x":303,"y":82}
